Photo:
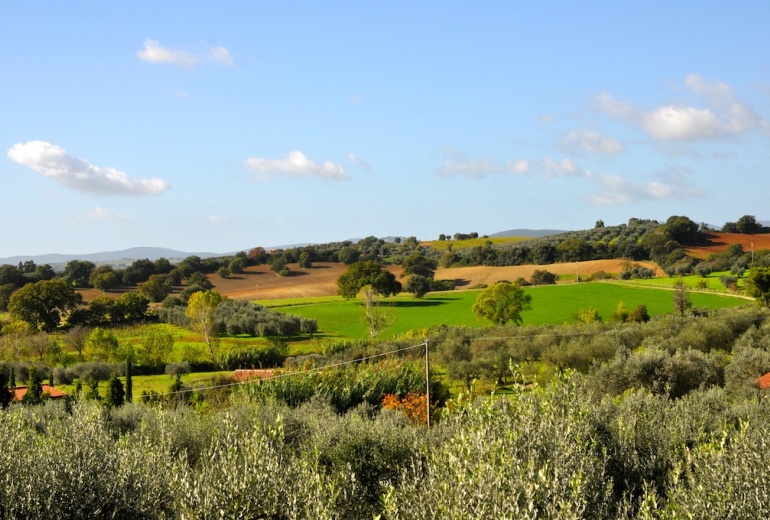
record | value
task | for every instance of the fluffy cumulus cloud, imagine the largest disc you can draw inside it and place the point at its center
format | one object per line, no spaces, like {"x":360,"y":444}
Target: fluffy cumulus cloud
{"x":295,"y":165}
{"x":456,"y":163}
{"x":154,"y":52}
{"x":682,"y":123}
{"x":593,"y":142}
{"x":617,"y":190}
{"x":722,"y":114}
{"x":55,"y":163}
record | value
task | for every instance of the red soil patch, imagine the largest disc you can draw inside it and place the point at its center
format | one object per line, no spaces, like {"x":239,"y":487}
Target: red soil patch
{"x":718,"y":243}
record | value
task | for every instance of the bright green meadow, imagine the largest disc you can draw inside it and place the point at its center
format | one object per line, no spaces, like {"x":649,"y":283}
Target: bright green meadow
{"x":557,"y":304}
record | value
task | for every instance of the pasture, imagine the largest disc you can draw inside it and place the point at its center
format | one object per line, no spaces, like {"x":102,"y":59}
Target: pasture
{"x":550,"y":305}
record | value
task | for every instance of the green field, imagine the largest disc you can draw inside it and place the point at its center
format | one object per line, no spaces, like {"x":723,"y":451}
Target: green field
{"x":338,"y":318}
{"x":457,"y":245}
{"x":712,"y":281}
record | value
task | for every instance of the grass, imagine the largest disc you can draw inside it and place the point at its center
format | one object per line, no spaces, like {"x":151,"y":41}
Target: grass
{"x":160,"y":383}
{"x":550,"y":305}
{"x":712,"y":281}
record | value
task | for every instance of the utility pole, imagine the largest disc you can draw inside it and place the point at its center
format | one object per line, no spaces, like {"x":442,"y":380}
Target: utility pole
{"x":427,"y":381}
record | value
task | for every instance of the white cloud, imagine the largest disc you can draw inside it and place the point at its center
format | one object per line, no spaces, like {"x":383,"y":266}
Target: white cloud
{"x":456,"y":163}
{"x":682,"y":123}
{"x":154,"y":52}
{"x":545,"y":118}
{"x":616,"y":190}
{"x":722,"y":116}
{"x":218,"y":219}
{"x":564,"y":168}
{"x":99,"y":214}
{"x":55,"y":163}
{"x":356,"y":161}
{"x":219,"y":54}
{"x":593,"y":142}
{"x":296,"y":166}
{"x":614,"y":108}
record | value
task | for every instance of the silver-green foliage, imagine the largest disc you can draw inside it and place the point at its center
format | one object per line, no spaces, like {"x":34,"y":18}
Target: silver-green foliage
{"x":532,"y":455}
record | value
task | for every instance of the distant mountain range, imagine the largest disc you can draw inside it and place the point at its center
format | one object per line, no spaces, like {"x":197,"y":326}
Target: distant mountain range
{"x":127,"y":256}
{"x":112,"y":257}
{"x":532,"y":233}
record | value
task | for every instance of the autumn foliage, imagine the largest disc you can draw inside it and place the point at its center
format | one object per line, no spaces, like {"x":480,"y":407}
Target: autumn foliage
{"x":412,"y":405}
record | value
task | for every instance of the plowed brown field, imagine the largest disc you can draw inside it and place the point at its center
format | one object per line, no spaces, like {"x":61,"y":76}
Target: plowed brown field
{"x":718,"y":242}
{"x":321,"y":280}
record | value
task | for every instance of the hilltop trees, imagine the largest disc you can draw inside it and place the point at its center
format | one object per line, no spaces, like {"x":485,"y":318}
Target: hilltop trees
{"x":364,"y":273}
{"x":77,"y":272}
{"x":747,"y":224}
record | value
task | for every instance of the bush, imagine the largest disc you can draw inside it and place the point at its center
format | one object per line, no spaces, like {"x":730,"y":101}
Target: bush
{"x":542,"y":277}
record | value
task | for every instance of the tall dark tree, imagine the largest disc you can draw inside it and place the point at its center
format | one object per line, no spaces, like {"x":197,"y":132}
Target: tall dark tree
{"x":117,"y":393}
{"x":34,"y":393}
{"x":6,"y":395}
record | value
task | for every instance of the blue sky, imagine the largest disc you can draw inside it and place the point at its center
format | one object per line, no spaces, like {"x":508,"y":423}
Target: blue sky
{"x":217,"y":127}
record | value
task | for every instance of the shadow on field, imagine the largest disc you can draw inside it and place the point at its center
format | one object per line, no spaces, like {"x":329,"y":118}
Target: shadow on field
{"x":431,"y":303}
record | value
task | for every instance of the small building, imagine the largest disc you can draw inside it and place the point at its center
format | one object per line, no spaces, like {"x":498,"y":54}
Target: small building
{"x":48,"y":391}
{"x":252,"y":373}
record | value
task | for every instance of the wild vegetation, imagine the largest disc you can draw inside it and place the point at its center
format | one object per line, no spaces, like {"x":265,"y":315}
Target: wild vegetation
{"x":581,"y":400}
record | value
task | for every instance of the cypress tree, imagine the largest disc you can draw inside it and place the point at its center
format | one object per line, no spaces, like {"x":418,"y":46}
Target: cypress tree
{"x":6,"y":396}
{"x":116,"y":392}
{"x":34,"y":393}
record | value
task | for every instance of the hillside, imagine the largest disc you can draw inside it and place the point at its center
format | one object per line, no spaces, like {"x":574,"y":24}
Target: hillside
{"x":321,"y":279}
{"x":718,"y":243}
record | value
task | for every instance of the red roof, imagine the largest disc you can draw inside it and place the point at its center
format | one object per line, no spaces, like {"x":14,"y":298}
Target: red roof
{"x":20,"y":391}
{"x":246,"y":375}
{"x":763,"y":383}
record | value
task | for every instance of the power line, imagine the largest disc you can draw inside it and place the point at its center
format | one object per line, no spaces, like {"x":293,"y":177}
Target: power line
{"x":301,"y":372}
